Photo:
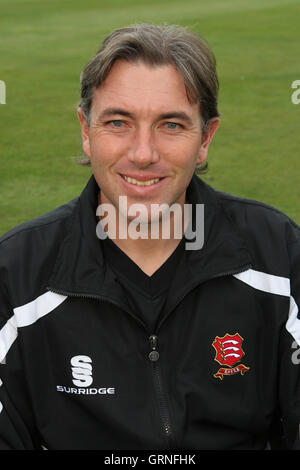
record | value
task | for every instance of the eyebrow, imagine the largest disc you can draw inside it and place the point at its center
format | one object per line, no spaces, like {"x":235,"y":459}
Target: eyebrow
{"x":112,"y":112}
{"x":177,"y":115}
{"x":121,"y":112}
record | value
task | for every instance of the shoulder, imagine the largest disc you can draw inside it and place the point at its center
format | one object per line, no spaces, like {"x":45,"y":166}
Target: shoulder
{"x":256,"y":216}
{"x":48,"y":222}
{"x":271,"y":238}
{"x":28,"y":252}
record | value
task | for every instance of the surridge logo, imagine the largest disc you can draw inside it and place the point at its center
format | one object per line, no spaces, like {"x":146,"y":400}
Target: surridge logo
{"x":82,"y":378}
{"x":82,"y":371}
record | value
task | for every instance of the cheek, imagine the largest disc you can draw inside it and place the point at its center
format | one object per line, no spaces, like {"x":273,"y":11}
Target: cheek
{"x":179,"y":153}
{"x":103,"y":151}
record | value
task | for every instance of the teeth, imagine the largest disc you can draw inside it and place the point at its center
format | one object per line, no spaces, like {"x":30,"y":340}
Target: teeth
{"x":140,"y":183}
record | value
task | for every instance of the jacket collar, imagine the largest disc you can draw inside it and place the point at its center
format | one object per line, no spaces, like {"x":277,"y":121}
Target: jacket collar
{"x":80,"y":267}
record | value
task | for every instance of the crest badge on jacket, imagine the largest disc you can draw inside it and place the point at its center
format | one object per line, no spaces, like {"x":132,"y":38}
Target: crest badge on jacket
{"x":228,"y":353}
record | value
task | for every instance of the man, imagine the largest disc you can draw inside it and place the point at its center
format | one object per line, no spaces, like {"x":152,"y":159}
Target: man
{"x":115,"y":342}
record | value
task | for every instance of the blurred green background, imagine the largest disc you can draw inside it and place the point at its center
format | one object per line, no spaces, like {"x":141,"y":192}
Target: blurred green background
{"x":44,"y":46}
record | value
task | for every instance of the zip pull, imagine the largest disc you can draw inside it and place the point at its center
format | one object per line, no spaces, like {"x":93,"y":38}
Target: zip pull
{"x":154,"y":354}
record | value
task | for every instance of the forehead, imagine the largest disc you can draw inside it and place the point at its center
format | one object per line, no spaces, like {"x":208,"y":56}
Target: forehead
{"x":139,"y":86}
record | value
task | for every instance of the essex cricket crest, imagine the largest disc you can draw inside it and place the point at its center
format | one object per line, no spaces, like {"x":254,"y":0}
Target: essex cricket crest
{"x":228,"y":352}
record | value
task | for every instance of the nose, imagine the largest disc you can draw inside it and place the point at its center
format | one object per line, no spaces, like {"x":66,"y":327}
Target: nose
{"x":143,"y":151}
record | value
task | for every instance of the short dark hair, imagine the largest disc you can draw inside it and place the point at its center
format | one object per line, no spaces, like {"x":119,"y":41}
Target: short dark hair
{"x":157,"y":45}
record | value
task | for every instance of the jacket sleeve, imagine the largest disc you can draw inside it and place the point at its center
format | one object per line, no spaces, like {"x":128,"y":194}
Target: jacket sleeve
{"x":289,"y":354}
{"x":14,"y":434}
{"x":14,"y":426}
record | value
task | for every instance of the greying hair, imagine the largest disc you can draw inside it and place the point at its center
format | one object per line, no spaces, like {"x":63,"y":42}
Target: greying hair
{"x":157,"y":45}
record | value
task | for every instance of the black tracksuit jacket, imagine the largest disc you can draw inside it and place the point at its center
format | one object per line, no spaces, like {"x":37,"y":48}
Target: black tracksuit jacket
{"x":75,"y":366}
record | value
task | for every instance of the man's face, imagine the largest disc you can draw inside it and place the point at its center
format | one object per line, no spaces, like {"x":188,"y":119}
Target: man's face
{"x":144,"y":138}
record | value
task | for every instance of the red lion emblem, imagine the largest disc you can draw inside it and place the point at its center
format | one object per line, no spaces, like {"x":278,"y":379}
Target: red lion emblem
{"x":229,"y":352}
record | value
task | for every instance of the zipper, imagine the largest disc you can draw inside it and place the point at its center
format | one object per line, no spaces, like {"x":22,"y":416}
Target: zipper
{"x":226,"y":273}
{"x":154,"y":354}
{"x":105,"y":299}
{"x":99,"y":298}
{"x":232,"y":272}
{"x":153,"y":357}
{"x":160,"y":395}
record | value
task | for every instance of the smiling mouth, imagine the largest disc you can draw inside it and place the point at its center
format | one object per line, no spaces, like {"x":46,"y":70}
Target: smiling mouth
{"x":141,"y":183}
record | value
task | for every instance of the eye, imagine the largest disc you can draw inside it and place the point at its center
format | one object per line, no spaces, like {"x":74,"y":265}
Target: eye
{"x":172,"y":126}
{"x":116,"y":123}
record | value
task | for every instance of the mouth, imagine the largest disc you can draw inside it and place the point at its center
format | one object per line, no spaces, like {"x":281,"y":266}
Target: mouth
{"x":141,"y":182}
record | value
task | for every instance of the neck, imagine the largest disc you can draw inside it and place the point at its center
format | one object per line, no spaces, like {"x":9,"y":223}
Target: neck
{"x":147,"y":244}
{"x":149,"y":255}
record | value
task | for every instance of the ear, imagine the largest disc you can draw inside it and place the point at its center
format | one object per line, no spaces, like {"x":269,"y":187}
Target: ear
{"x":84,"y":132}
{"x":207,"y":137}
